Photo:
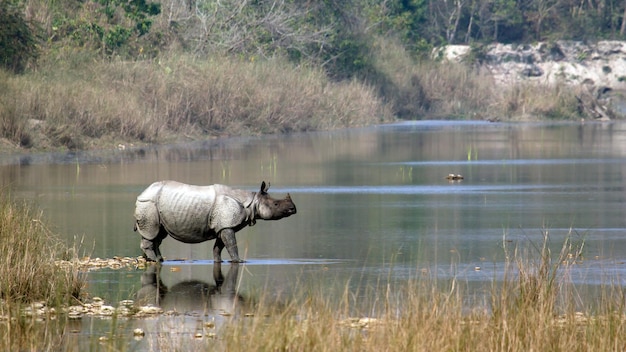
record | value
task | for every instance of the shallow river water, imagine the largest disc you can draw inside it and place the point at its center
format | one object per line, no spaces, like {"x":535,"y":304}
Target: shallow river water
{"x":372,"y":203}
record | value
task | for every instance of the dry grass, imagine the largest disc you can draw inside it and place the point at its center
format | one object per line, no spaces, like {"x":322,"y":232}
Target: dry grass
{"x":73,"y":104}
{"x":29,"y":250}
{"x":530,"y":310}
{"x":29,"y":276}
{"x":77,"y":101}
{"x":537,"y":100}
{"x":431,"y":89}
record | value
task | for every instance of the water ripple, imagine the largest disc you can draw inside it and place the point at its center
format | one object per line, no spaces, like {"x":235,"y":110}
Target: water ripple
{"x":439,"y":189}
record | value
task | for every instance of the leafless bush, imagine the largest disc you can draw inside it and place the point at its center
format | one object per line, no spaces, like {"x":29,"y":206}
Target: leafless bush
{"x":237,"y":26}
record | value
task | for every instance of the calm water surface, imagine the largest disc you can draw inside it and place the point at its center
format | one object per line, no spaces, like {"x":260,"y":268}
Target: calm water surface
{"x":372,"y":202}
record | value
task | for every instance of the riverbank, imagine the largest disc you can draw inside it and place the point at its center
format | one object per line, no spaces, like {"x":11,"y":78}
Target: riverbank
{"x":84,"y":105}
{"x":77,"y":102}
{"x":595,"y":72}
{"x":108,"y":75}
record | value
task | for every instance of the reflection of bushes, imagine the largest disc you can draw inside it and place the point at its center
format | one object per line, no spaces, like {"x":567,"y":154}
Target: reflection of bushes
{"x":17,"y":41}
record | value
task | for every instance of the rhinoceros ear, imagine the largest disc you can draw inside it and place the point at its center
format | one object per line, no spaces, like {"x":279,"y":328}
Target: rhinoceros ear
{"x":264,"y":187}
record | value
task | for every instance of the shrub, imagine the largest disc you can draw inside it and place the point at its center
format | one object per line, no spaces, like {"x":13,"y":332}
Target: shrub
{"x":18,"y":44}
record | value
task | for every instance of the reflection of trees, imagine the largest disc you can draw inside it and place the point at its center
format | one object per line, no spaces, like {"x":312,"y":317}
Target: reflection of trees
{"x":192,"y":295}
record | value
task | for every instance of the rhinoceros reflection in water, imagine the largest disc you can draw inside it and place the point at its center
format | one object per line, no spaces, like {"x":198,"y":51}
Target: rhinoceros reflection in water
{"x":192,"y":295}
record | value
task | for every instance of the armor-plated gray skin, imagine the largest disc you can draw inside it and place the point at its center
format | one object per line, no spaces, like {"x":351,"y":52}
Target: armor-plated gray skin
{"x":194,"y":214}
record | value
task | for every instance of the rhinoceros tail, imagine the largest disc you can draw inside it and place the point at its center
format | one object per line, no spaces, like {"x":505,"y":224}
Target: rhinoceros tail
{"x":135,"y":227}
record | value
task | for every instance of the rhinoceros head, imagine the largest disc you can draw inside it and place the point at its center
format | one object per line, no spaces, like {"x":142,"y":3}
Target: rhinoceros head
{"x":269,"y":208}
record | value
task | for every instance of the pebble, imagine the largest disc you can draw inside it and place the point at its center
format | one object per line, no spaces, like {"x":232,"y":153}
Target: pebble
{"x":116,"y":263}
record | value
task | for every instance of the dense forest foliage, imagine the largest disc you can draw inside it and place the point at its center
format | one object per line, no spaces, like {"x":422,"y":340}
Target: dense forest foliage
{"x":336,"y":35}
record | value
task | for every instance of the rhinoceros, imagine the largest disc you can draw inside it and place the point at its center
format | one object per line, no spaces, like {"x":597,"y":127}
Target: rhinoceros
{"x":194,"y":214}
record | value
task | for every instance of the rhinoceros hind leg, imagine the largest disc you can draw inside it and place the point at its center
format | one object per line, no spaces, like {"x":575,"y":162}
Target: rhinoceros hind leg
{"x":217,"y":250}
{"x":147,"y":221}
{"x":151,"y":249}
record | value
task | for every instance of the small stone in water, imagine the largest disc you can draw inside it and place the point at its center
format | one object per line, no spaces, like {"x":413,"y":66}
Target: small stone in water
{"x":127,"y":302}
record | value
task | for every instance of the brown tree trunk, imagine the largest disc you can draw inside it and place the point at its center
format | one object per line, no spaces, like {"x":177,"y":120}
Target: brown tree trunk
{"x":623,"y":28}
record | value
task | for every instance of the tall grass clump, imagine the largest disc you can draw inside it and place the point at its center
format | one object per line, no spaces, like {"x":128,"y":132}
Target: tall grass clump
{"x":30,"y":280}
{"x":174,"y":97}
{"x":533,"y":293}
{"x":226,"y":96}
{"x":27,"y":261}
{"x":13,"y":127}
{"x":429,"y":89}
{"x":551,"y":101}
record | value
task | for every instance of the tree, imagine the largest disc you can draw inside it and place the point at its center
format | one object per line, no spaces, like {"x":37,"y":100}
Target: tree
{"x":541,"y":14}
{"x":404,"y":19}
{"x":623,"y":27}
{"x":18,"y":44}
{"x":109,"y":25}
{"x":506,"y":20}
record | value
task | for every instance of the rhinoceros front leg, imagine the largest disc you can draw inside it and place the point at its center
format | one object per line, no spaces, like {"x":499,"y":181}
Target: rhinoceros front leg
{"x":226,"y":239}
{"x":151,"y":249}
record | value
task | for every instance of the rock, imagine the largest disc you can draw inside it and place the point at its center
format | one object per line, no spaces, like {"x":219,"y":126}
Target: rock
{"x":454,"y":177}
{"x":532,"y":71}
{"x":600,"y":65}
{"x":454,"y":53}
